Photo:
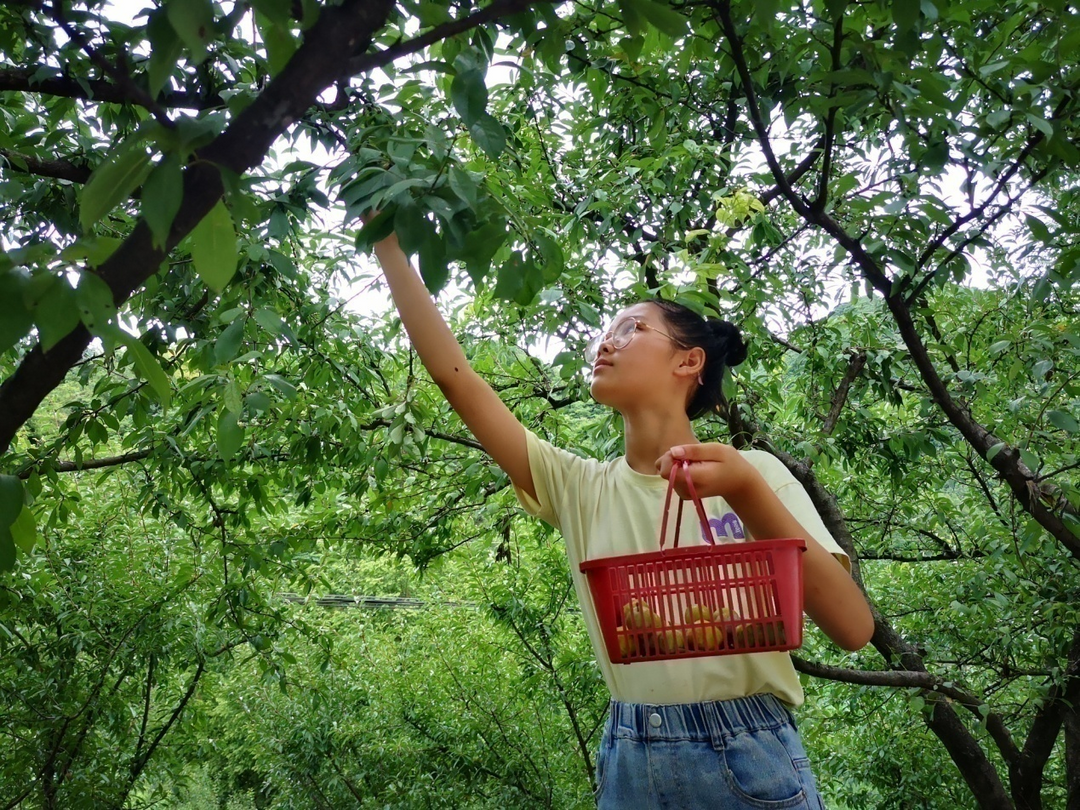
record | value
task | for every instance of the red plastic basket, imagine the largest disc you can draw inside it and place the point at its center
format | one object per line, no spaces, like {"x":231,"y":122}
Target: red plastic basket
{"x":693,"y":601}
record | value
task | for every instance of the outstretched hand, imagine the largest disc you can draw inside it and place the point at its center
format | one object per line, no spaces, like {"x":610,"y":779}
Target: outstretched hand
{"x":717,"y":470}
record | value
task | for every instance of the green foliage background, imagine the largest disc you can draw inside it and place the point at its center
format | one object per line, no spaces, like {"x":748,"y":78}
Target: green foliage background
{"x":880,"y":194}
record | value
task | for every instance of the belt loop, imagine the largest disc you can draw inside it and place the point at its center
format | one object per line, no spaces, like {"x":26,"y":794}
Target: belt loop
{"x":713,"y":722}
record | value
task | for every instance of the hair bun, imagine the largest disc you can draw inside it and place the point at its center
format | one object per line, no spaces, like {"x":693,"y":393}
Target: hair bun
{"x":729,"y":338}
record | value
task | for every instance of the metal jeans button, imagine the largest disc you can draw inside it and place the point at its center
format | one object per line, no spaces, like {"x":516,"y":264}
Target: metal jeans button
{"x":655,"y":720}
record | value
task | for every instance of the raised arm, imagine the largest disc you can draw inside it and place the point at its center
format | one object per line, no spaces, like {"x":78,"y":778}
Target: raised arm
{"x":479,"y":407}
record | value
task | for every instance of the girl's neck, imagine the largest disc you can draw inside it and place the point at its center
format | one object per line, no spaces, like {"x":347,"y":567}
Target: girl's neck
{"x":648,"y":435}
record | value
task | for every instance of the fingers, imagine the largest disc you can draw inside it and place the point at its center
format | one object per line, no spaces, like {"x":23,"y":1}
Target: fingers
{"x":699,"y":452}
{"x":689,"y":452}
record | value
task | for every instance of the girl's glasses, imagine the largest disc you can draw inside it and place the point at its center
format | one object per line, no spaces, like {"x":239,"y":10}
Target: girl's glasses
{"x":621,"y":334}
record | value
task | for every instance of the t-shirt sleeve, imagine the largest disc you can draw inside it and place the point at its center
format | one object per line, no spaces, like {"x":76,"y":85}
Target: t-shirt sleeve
{"x":795,"y":498}
{"x":554,"y":473}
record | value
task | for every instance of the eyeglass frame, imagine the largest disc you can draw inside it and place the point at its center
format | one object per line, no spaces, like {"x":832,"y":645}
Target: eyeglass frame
{"x":592,"y":348}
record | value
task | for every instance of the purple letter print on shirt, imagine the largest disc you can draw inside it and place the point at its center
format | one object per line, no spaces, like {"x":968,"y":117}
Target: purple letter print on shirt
{"x":727,"y":528}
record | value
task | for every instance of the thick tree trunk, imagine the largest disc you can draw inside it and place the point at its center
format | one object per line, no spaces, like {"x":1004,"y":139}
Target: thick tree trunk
{"x":1072,"y":757}
{"x":975,"y":767}
{"x":340,"y":33}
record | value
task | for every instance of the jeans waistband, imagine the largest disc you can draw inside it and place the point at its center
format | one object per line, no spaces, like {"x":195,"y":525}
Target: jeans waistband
{"x":708,"y":721}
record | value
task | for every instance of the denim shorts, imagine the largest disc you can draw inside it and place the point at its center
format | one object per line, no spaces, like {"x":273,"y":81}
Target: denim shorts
{"x":741,"y":753}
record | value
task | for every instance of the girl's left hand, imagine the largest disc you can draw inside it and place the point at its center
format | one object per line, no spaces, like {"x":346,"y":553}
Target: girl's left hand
{"x":717,"y":470}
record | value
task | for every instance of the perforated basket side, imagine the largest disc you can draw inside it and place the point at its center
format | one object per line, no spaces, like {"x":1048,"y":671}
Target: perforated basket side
{"x":699,"y":600}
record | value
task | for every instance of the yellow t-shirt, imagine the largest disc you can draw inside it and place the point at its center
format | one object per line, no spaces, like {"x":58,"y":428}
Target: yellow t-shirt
{"x":605,"y":509}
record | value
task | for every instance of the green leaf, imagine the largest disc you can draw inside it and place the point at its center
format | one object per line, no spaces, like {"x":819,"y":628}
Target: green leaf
{"x":765,"y":11}
{"x":15,"y":317}
{"x":95,"y":301}
{"x":463,"y":184}
{"x":162,"y":194}
{"x":279,"y":12}
{"x":510,"y":279}
{"x":269,"y":320}
{"x":56,"y":313}
{"x":258,"y":402}
{"x":375,"y":230}
{"x":214,"y":249}
{"x":631,"y":16}
{"x":998,"y":118}
{"x":905,"y":13}
{"x":728,"y":386}
{"x":413,"y":229}
{"x":283,"y":386}
{"x":993,"y":451}
{"x":228,"y":342}
{"x":7,"y":550}
{"x":113,"y":181}
{"x":663,"y":17}
{"x":279,"y":42}
{"x":193,"y":21}
{"x":836,"y":8}
{"x":230,"y":435}
{"x":469,"y":94}
{"x":480,"y":249}
{"x":147,"y":366}
{"x":433,"y":263}
{"x":100,"y":248}
{"x":11,"y":499}
{"x":554,"y":262}
{"x":1063,"y":421}
{"x":430,"y":14}
{"x":1041,"y":124}
{"x":489,"y":135}
{"x":519,"y":279}
{"x":24,"y":530}
{"x":165,"y":50}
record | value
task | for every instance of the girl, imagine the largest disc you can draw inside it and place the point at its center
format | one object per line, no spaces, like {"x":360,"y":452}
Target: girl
{"x":709,"y":732}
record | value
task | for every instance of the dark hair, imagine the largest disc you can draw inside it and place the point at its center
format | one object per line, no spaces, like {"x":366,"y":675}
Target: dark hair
{"x":723,"y":345}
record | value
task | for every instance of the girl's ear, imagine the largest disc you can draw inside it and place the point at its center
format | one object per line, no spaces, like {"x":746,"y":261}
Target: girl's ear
{"x":693,"y":363}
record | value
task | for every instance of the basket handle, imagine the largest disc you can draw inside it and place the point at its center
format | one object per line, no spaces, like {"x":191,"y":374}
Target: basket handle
{"x":680,"y":464}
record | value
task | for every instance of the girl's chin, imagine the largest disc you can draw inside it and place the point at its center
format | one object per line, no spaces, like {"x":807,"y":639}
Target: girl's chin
{"x":602,"y":394}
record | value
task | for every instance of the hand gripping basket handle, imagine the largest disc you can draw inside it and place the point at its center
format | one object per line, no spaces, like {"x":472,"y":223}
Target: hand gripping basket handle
{"x":705,"y":528}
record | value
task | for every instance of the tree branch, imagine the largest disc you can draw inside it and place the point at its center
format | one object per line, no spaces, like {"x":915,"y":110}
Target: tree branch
{"x":839,"y":398}
{"x":499,"y":8}
{"x":829,"y":136}
{"x":908,"y":679}
{"x":1026,"y":772}
{"x":866,"y":263}
{"x":88,"y":464}
{"x":36,"y":79}
{"x":59,"y":169}
{"x":1042,"y":503}
{"x":140,"y":762}
{"x":340,"y":31}
{"x":319,"y":62}
{"x":132,"y":92}
{"x":963,"y":748}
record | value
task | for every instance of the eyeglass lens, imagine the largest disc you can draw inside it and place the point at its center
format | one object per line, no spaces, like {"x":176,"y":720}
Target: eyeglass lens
{"x":620,"y":335}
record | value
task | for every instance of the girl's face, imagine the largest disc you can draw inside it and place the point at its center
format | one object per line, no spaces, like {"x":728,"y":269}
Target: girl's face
{"x":646,"y":370}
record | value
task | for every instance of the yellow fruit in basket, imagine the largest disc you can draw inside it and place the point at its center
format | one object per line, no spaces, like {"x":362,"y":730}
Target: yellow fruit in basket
{"x":697,"y":613}
{"x":648,"y":644}
{"x":672,"y":641}
{"x":626,"y":645}
{"x":759,"y":635}
{"x":707,"y":636}
{"x":638,"y":615}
